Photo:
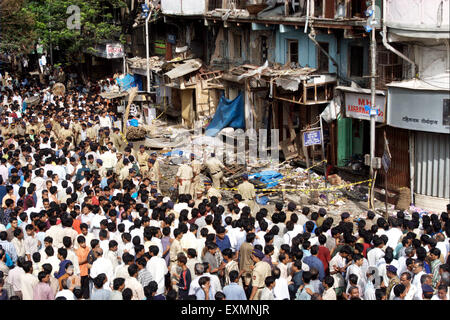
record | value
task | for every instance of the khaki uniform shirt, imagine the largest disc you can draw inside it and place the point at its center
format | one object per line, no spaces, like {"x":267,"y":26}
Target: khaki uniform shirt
{"x":247,"y":191}
{"x":185,"y":172}
{"x":214,"y":192}
{"x":157,"y":167}
{"x":196,"y":167}
{"x":151,"y":174}
{"x":31,"y":127}
{"x":117,"y":141}
{"x":214,"y":165}
{"x":142,"y":159}
{"x":245,"y":257}
{"x":21,"y":130}
{"x":261,"y":271}
{"x":91,"y":133}
{"x":125,"y":172}
{"x":119,"y":165}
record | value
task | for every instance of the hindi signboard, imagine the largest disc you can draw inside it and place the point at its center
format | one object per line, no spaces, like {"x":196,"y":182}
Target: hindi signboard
{"x":114,"y":50}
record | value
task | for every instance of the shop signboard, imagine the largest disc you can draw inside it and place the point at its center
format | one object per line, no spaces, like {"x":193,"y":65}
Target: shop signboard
{"x":359,"y":106}
{"x":421,"y":110}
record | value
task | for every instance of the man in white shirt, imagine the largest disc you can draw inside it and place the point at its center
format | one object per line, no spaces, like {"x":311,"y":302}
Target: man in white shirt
{"x":71,"y":255}
{"x":95,"y":224}
{"x":405,"y":279}
{"x":134,"y":284}
{"x":56,"y":232}
{"x":418,"y":272}
{"x":338,"y":266}
{"x":122,"y":269}
{"x":375,"y":254}
{"x":189,"y":239}
{"x":102,"y":265}
{"x":15,"y":276}
{"x":105,"y":121}
{"x":408,"y":253}
{"x":52,"y":259}
{"x":109,"y":159}
{"x":290,"y":234}
{"x":158,"y":268}
{"x":281,"y":289}
{"x":28,"y":281}
{"x":356,"y":269}
{"x":38,"y":180}
{"x":394,"y":234}
{"x":4,"y":170}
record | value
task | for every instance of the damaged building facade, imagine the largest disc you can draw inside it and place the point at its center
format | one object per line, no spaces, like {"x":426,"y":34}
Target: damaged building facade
{"x":302,"y":64}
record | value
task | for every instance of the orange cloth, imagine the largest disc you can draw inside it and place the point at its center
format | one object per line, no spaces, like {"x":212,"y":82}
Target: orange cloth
{"x":82,"y":254}
{"x":76,"y":225}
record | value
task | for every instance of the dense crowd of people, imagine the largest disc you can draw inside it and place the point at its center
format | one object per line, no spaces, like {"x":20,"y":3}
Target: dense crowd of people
{"x":83,"y":217}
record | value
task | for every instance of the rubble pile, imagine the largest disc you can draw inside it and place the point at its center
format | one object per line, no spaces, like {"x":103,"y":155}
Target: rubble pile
{"x":136,"y":133}
{"x":295,"y":183}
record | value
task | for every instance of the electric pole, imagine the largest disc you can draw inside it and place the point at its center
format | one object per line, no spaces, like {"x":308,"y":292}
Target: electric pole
{"x":373,"y":49}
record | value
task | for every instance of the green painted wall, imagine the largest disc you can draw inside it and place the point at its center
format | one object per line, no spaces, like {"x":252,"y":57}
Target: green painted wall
{"x":344,"y":140}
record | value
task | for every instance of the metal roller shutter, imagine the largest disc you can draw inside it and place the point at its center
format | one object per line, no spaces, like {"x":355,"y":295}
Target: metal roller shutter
{"x":432,"y":161}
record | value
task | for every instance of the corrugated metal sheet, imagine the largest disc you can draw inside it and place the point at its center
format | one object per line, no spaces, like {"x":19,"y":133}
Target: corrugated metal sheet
{"x":187,"y":67}
{"x":432,"y":161}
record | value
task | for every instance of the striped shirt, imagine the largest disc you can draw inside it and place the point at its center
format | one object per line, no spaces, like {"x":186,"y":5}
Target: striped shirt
{"x":144,"y":277}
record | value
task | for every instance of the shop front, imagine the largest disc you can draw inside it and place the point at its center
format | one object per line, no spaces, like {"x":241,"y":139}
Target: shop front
{"x":353,"y":125}
{"x":424,"y":109}
{"x":106,"y":59}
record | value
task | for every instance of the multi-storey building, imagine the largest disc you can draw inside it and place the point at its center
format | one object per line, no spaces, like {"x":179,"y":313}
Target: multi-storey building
{"x":295,"y":61}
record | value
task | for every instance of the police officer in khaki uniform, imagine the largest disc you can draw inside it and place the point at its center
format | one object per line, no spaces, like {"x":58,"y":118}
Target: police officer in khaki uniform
{"x":157,"y":167}
{"x":142,"y":158}
{"x":91,"y":133}
{"x":130,"y":149}
{"x":57,"y":127}
{"x":150,"y":171}
{"x":199,"y":196}
{"x":5,"y":130}
{"x":117,"y":139}
{"x":32,"y":126}
{"x":21,"y":128}
{"x":196,"y":169}
{"x":13,"y":129}
{"x":215,"y":168}
{"x":184,"y":178}
{"x":211,"y":191}
{"x":260,"y":272}
{"x":65,"y":132}
{"x":76,"y":129}
{"x":248,"y":193}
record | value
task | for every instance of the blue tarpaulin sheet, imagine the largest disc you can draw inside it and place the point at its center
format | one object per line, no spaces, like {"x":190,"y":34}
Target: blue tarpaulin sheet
{"x":127,"y":82}
{"x":270,"y":178}
{"x":138,"y":81}
{"x":229,"y":113}
{"x":133,"y":123}
{"x":170,"y":153}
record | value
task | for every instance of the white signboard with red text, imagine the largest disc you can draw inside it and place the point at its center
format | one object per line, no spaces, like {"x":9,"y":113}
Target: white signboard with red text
{"x":358,"y":105}
{"x":114,"y":50}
